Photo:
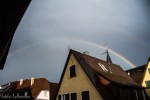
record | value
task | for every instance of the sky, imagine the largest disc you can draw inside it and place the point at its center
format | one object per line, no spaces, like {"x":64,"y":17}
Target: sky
{"x":49,"y":28}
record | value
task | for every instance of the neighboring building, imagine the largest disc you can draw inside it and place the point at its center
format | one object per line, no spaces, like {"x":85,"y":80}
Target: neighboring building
{"x":88,"y":78}
{"x":141,"y":74}
{"x":34,"y":89}
{"x":137,"y":73}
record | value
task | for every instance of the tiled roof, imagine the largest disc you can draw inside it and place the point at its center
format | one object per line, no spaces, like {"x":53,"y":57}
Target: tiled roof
{"x":39,"y":84}
{"x":114,"y":74}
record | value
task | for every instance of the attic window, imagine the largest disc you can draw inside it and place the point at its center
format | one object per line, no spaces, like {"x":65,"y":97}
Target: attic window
{"x":103,"y":67}
{"x":72,"y":71}
{"x":149,"y":70}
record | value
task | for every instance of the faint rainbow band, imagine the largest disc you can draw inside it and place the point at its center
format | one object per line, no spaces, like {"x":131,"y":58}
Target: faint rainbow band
{"x":113,"y":52}
{"x":85,"y":42}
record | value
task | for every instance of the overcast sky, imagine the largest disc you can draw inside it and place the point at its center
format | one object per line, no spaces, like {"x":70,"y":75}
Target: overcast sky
{"x":49,"y":27}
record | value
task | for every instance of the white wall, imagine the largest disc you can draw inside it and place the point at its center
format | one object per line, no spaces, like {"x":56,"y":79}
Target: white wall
{"x":44,"y":95}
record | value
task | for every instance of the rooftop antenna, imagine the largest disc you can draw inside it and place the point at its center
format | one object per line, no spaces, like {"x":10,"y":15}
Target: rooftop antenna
{"x":108,"y":59}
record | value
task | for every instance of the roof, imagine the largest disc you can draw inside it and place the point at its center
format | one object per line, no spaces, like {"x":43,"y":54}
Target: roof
{"x":39,"y":84}
{"x":11,"y":14}
{"x":137,"y":73}
{"x":114,"y":74}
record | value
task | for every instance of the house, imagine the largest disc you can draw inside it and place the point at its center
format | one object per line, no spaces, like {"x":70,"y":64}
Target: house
{"x":88,"y":78}
{"x":34,"y":89}
{"x":141,"y":74}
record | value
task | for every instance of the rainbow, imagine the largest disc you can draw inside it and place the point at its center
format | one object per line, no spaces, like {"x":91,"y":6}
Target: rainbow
{"x":113,"y":52}
{"x":80,"y":41}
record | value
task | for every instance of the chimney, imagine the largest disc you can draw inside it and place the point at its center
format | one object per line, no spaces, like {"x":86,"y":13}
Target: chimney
{"x":32,"y":80}
{"x":21,"y":81}
{"x":86,"y":52}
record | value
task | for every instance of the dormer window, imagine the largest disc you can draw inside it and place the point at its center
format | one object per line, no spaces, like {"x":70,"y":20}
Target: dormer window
{"x":149,"y":70}
{"x":72,"y":71}
{"x":103,"y":67}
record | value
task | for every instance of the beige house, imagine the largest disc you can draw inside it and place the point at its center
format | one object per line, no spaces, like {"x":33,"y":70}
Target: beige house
{"x":87,"y":78}
{"x":146,"y":76}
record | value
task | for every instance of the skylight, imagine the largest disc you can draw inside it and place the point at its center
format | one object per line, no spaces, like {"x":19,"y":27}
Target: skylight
{"x":103,"y":67}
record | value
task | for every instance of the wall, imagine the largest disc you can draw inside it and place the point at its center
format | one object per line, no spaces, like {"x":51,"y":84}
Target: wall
{"x":44,"y":95}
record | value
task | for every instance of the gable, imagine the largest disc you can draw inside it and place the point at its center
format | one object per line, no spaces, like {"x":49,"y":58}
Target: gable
{"x":77,"y":84}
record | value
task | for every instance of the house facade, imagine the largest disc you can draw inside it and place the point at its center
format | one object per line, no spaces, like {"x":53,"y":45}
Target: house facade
{"x":87,"y":78}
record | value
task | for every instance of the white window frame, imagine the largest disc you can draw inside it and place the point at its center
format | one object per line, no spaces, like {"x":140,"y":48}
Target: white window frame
{"x":103,"y":67}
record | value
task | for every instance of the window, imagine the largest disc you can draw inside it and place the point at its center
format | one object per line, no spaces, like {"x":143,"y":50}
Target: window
{"x":45,"y":93}
{"x":103,"y":67}
{"x":85,"y":95}
{"x":72,"y":71}
{"x":149,"y":70}
{"x":147,"y":84}
{"x":17,"y":94}
{"x":63,"y":97}
{"x":26,"y":93}
{"x":73,"y":96}
{"x":66,"y":97}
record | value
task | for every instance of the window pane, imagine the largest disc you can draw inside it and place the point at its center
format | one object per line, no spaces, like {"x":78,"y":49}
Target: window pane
{"x":45,"y":94}
{"x":66,"y":96}
{"x":85,"y":95}
{"x":73,"y":96}
{"x":72,"y":71}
